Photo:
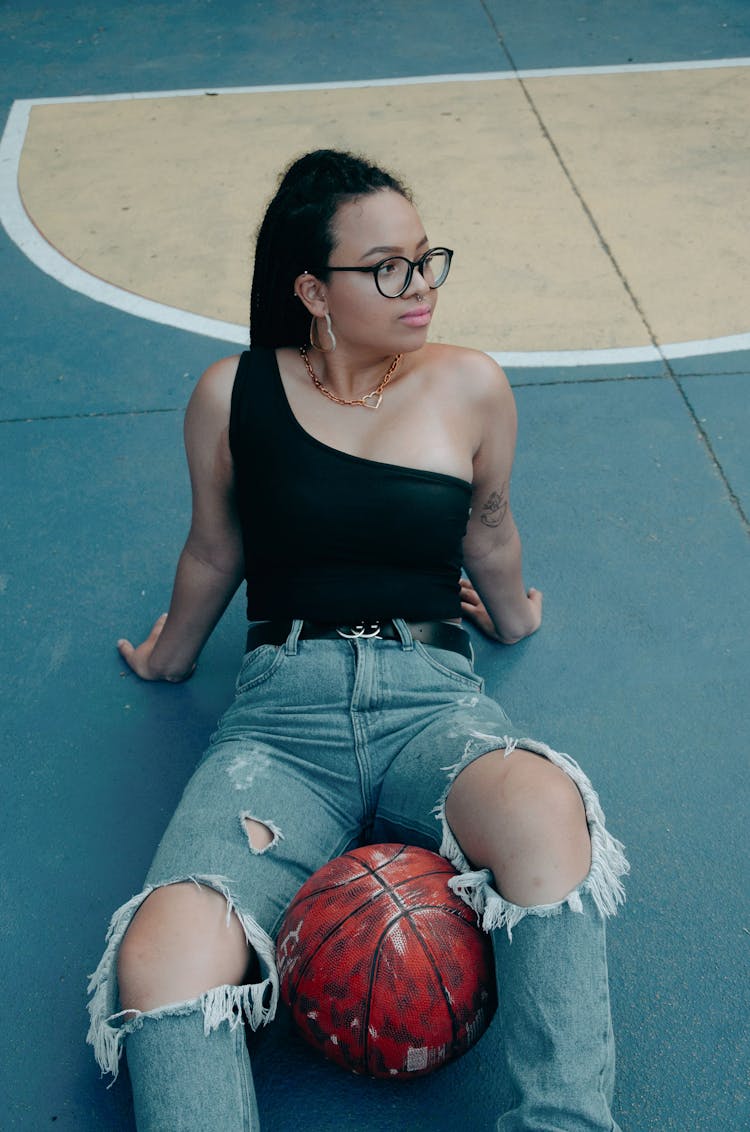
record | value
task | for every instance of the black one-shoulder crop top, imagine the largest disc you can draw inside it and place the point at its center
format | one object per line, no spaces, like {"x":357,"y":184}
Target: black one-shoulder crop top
{"x":333,"y":537}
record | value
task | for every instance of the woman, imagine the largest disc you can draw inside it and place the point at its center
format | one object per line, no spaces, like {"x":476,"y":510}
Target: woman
{"x":348,"y":479}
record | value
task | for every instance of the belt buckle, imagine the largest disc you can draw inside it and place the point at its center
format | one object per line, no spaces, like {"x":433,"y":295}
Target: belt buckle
{"x":363,"y":630}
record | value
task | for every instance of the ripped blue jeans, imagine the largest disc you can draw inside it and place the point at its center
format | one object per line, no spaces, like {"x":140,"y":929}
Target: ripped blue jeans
{"x":328,"y":744}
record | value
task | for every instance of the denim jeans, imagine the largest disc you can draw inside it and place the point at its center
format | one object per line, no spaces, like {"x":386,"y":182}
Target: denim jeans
{"x":329,"y":744}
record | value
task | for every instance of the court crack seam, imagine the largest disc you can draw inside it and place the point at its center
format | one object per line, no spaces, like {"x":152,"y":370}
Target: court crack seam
{"x":91,"y":416}
{"x":731,"y":494}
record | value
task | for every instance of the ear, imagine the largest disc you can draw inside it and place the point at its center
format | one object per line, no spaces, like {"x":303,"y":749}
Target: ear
{"x":312,"y":293}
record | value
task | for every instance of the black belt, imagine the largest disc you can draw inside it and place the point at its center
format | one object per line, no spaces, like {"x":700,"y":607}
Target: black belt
{"x":439,"y":634}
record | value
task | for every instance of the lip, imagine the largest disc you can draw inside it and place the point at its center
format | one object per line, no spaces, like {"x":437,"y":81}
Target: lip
{"x":417,"y":316}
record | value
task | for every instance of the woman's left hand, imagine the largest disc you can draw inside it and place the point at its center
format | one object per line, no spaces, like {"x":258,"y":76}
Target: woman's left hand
{"x":475,"y":610}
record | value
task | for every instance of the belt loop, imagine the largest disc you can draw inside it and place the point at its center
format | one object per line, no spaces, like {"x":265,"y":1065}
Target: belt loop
{"x":404,"y":632}
{"x":290,"y":645}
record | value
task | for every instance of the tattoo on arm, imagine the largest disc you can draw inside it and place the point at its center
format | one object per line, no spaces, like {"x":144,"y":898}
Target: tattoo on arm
{"x":495,"y":509}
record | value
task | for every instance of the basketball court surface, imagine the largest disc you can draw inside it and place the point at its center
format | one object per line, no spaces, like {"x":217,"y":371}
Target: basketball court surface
{"x":589,"y":163}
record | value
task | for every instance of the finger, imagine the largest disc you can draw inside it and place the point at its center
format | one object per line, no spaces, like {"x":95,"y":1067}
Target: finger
{"x":158,"y":626}
{"x":477,"y":617}
{"x":125,"y":649}
{"x":470,"y":594}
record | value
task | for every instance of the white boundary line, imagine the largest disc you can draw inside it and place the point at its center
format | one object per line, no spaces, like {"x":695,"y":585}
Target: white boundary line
{"x":35,"y":247}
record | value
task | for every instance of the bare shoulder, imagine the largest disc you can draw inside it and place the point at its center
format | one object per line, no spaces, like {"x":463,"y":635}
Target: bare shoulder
{"x":217,"y":381}
{"x":212,"y":396}
{"x":481,"y":378}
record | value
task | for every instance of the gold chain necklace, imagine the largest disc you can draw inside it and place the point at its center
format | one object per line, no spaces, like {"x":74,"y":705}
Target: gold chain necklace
{"x":370,"y":400}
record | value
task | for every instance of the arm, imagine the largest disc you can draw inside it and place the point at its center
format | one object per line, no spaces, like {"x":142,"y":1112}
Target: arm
{"x":210,"y":567}
{"x":496,"y":600}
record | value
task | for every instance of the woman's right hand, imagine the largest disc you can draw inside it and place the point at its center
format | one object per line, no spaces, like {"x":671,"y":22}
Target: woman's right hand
{"x":140,"y":658}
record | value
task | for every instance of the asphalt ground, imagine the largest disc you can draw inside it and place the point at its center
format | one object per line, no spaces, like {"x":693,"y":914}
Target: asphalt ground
{"x":632,"y":491}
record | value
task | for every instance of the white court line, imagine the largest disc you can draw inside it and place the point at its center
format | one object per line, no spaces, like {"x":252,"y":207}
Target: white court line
{"x":36,"y":248}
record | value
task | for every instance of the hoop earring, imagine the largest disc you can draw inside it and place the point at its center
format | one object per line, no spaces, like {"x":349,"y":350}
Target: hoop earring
{"x":314,"y":333}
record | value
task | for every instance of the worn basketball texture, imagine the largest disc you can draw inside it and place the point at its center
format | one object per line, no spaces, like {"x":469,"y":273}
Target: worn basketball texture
{"x":383,"y":967}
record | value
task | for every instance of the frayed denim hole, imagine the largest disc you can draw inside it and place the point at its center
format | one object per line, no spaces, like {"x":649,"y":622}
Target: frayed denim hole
{"x":261,"y":834}
{"x":256,"y":1001}
{"x":604,"y":881}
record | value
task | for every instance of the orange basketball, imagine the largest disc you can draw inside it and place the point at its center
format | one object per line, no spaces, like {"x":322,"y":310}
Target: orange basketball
{"x":384,"y":968}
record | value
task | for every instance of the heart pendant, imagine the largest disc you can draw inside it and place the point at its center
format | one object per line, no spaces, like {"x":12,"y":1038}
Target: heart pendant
{"x":372,"y":400}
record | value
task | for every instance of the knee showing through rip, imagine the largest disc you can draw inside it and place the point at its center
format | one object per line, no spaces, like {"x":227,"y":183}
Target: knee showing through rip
{"x":509,"y":812}
{"x":543,"y":849}
{"x":499,"y":790}
{"x":179,"y":944}
{"x":555,"y":796}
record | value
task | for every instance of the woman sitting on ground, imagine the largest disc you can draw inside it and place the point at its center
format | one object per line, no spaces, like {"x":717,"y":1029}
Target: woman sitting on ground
{"x":348,"y":469}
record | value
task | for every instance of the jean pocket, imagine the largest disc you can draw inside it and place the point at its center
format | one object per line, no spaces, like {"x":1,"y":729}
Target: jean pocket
{"x":257,"y":666}
{"x":454,"y":665}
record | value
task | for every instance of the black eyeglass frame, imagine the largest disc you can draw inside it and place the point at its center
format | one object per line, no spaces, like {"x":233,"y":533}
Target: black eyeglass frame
{"x":412,"y":264}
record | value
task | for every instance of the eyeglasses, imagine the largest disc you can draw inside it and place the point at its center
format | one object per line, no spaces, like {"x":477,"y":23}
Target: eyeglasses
{"x":393,"y":275}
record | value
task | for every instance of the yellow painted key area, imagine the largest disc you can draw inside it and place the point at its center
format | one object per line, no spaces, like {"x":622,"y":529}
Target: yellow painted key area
{"x":586,"y":212}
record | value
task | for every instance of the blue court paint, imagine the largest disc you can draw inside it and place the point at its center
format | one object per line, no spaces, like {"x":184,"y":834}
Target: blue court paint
{"x":95,"y":760}
{"x":620,"y":690}
{"x":573,"y":374}
{"x":61,"y":360}
{"x":721,"y":402}
{"x":735,"y":362}
{"x":576,"y":33}
{"x":79,"y":48}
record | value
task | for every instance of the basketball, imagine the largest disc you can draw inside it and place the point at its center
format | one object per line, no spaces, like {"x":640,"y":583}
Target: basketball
{"x":383,"y":967}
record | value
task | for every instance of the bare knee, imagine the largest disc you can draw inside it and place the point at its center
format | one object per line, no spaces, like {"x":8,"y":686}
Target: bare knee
{"x":515,"y":789}
{"x":545,"y":791}
{"x":523,"y":818}
{"x":179,"y":944}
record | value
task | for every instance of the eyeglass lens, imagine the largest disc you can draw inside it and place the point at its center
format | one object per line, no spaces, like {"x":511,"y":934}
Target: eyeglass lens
{"x":393,"y":276}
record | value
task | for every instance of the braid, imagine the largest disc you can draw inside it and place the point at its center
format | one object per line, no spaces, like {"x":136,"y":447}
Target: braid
{"x":296,"y":235}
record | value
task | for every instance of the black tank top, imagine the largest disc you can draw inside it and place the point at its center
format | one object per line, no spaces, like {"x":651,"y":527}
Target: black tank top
{"x":333,"y":537}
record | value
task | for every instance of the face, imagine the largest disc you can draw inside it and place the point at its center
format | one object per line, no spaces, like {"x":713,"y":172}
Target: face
{"x":366,"y":231}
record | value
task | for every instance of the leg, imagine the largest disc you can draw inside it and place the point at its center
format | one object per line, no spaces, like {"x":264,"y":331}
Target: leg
{"x":181,"y":944}
{"x":527,"y":837}
{"x":260,"y":813}
{"x":186,"y":1081}
{"x":522,"y":817}
{"x":554,"y":1018}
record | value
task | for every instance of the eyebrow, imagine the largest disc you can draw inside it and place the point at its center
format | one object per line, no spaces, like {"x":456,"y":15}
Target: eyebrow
{"x":392,"y":250}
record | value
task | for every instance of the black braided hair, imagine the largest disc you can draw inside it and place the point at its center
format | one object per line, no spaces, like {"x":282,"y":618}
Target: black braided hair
{"x":296,"y":235}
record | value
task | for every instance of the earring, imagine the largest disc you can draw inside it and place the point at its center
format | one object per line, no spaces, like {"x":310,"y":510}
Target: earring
{"x":314,"y":334}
